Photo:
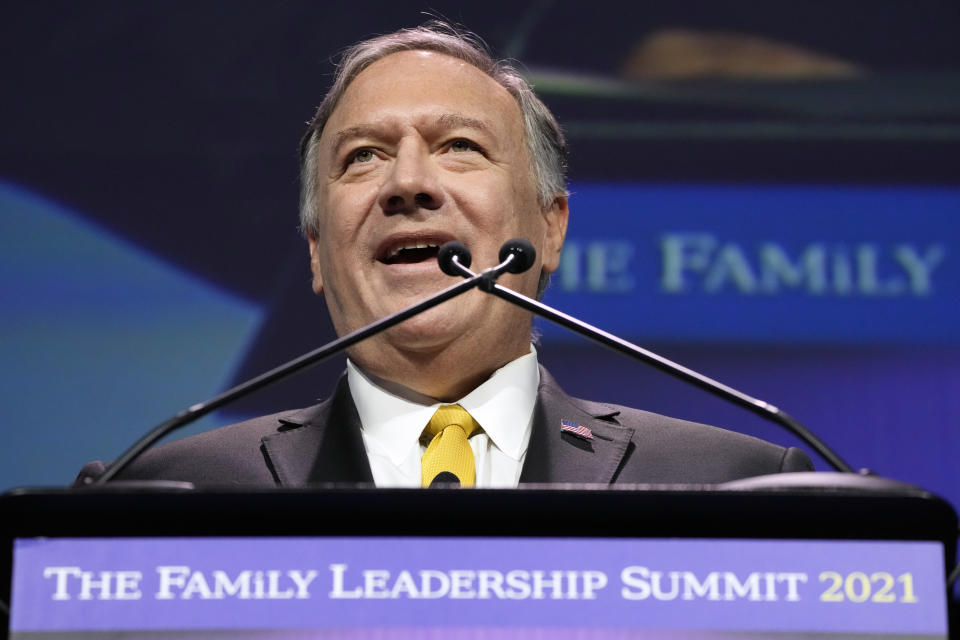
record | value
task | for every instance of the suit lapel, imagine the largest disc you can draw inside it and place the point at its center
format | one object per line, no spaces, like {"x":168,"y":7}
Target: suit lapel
{"x":557,"y":457}
{"x":320,"y":444}
{"x":323,"y":443}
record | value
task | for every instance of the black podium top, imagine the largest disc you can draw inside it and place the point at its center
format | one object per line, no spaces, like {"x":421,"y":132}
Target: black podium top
{"x":790,"y":507}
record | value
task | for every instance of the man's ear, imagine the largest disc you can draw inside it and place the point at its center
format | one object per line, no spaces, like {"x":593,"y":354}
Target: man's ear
{"x":556,"y":218}
{"x":315,"y":265}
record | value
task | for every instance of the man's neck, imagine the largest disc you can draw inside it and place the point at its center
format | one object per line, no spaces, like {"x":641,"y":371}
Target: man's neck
{"x":445,"y":376}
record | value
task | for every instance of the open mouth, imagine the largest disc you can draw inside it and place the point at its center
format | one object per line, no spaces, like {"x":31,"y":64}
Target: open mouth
{"x":410,"y":253}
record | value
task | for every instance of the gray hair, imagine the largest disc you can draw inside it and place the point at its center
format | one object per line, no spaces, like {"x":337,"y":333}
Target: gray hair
{"x":545,"y":140}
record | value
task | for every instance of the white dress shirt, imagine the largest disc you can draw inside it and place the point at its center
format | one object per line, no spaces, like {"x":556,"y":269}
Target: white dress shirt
{"x":393,"y":418}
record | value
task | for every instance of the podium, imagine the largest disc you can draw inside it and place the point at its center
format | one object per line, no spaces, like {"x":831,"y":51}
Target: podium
{"x":781,"y":556}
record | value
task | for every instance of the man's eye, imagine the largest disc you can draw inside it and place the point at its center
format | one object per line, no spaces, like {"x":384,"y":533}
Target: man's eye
{"x":463,"y":145}
{"x":362,"y":155}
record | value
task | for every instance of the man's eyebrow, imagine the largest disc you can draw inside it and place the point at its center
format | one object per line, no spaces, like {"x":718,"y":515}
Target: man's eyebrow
{"x":454,"y":120}
{"x":445,"y":121}
{"x":358,"y":131}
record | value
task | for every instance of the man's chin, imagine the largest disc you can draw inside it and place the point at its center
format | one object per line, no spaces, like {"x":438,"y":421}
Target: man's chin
{"x":434,"y":329}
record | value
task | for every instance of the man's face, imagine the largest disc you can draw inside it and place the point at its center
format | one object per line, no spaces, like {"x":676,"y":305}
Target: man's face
{"x":422,"y":149}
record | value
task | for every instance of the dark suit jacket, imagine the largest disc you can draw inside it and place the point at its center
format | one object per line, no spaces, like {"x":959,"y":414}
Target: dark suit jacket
{"x":322,"y":443}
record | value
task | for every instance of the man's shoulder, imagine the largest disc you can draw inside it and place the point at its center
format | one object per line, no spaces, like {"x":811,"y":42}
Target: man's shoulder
{"x":666,"y":449}
{"x":714,"y":454}
{"x":232,"y":454}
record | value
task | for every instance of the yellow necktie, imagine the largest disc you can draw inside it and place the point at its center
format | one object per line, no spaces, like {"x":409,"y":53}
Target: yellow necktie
{"x":449,"y":450}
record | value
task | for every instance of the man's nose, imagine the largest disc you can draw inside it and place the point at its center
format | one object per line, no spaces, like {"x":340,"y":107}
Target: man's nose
{"x":413,"y":182}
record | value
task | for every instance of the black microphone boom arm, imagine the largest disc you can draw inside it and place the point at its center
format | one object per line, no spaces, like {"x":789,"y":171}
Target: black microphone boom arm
{"x":460,"y":256}
{"x":755,"y":405}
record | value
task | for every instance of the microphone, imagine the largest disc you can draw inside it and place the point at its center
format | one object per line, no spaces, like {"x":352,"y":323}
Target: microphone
{"x":453,"y":253}
{"x":523,"y":252}
{"x":456,"y":258}
{"x":445,"y":479}
{"x":523,"y":256}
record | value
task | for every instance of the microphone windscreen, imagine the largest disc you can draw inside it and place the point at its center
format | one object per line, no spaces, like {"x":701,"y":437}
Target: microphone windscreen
{"x":523,"y":252}
{"x":448,"y":252}
{"x":445,"y":478}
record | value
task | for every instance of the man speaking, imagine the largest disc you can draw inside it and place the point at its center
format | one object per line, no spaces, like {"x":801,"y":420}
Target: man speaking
{"x":423,"y":139}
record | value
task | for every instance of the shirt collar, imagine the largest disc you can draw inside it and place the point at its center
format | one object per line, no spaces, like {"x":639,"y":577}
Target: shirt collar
{"x":394,"y":416}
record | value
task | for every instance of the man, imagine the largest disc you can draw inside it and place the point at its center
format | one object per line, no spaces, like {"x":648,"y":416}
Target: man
{"x":422,"y":139}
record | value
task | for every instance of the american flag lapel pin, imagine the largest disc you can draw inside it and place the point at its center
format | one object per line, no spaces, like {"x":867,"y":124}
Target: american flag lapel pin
{"x":576,"y":429}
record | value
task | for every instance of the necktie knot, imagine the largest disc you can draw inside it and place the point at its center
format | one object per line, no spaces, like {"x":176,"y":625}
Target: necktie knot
{"x":448,"y":416}
{"x":449,"y":450}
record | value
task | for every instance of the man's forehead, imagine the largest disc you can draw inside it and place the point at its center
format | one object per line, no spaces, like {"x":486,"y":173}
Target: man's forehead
{"x":418,"y":58}
{"x":424,"y":77}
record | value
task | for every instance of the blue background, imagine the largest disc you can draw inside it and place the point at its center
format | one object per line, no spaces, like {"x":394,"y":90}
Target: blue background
{"x":150,"y":255}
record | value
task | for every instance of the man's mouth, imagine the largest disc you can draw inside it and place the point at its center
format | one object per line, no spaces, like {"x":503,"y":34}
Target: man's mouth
{"x":411,"y":253}
{"x":411,"y":248}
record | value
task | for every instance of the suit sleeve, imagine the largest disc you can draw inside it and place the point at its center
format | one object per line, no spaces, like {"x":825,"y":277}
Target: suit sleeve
{"x":795,"y":460}
{"x":90,"y":472}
